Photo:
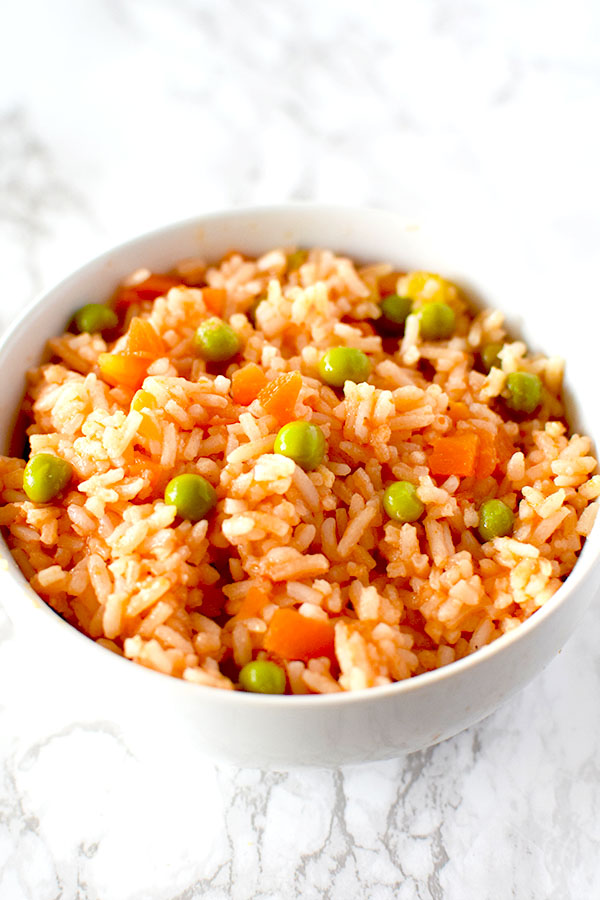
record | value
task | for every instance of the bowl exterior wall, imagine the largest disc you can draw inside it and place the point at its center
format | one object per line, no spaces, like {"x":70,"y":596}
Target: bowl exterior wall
{"x":156,"y":710}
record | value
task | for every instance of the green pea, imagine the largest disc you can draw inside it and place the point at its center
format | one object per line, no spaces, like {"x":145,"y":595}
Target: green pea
{"x":341,"y":364}
{"x":495,"y":519}
{"x":192,"y":495}
{"x":45,"y":476}
{"x":524,"y":391}
{"x":303,"y":442}
{"x":296,"y":259}
{"x":437,"y":321}
{"x":263,"y":677}
{"x":395,"y":310}
{"x":401,"y":502}
{"x":215,"y":341}
{"x":95,"y":317}
{"x":489,"y":355}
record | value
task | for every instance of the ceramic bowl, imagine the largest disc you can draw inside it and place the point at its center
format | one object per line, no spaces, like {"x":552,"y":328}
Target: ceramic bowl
{"x":274,"y":731}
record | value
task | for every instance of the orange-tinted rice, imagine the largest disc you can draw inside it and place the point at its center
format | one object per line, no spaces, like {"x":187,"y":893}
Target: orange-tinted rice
{"x":114,"y":560}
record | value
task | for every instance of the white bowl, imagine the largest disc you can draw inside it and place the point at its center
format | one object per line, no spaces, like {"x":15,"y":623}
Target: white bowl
{"x":272,"y":731}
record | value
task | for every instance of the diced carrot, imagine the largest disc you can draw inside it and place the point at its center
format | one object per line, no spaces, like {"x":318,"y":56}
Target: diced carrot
{"x":278,"y":398}
{"x":387,"y":283}
{"x":487,"y":457}
{"x":458,"y":410}
{"x":123,"y":370}
{"x":253,"y":603}
{"x":455,"y":454}
{"x":247,"y":383}
{"x":150,"y":288}
{"x":291,"y":635}
{"x":150,"y":429}
{"x":504,"y":446}
{"x":147,"y":467}
{"x":214,"y":299}
{"x":142,"y":339}
{"x":144,"y":400}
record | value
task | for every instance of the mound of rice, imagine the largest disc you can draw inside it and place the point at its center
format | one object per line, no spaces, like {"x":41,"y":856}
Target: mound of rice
{"x":112,"y":558}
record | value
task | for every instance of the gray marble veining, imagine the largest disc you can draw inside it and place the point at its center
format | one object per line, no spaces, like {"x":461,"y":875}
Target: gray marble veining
{"x":118,"y":115}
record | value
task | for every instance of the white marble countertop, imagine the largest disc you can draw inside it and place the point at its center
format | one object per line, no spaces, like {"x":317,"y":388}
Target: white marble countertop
{"x":119,"y":115}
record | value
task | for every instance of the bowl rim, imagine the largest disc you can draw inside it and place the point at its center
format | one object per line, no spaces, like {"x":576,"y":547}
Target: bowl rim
{"x":394,"y":690}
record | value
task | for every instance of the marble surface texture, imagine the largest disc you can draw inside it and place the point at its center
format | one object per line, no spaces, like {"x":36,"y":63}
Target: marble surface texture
{"x":119,"y":115}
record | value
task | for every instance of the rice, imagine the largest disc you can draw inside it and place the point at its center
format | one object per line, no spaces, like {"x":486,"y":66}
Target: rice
{"x":368,"y":599}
